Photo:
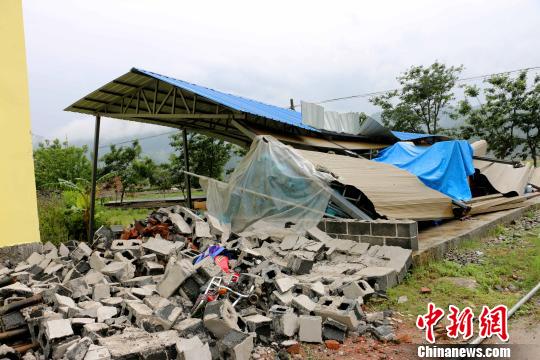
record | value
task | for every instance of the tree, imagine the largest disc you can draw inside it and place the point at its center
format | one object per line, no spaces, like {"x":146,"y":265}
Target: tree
{"x":508,"y":118}
{"x":124,"y":162}
{"x":424,"y":93}
{"x":207,"y":156}
{"x":58,"y":160}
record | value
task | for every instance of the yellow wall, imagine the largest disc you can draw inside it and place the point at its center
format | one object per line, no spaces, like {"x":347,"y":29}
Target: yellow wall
{"x":18,"y":207}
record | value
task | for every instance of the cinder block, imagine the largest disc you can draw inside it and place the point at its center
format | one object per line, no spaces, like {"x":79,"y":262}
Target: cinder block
{"x":354,"y":238}
{"x":384,"y":277}
{"x":407,"y":228}
{"x":414,"y":243}
{"x":284,"y":320}
{"x":220,"y":317}
{"x":372,"y":240}
{"x":175,"y":275}
{"x":310,"y":328}
{"x":236,"y":345}
{"x":358,"y":227}
{"x":192,"y":349}
{"x":336,"y":227}
{"x":383,"y":228}
{"x":398,"y":241}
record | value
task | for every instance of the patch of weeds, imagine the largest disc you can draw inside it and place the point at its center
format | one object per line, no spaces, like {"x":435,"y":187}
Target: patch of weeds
{"x":497,"y":230}
{"x":123,"y":217}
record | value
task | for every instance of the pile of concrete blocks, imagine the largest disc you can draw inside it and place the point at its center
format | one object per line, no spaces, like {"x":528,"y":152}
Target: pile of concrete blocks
{"x":165,"y":296}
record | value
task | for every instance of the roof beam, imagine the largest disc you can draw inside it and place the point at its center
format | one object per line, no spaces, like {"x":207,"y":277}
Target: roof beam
{"x":176,"y":116}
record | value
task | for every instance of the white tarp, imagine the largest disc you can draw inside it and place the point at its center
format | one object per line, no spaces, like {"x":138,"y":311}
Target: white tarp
{"x":272,"y":185}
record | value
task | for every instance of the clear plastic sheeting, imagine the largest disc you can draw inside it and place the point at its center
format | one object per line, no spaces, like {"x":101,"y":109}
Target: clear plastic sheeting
{"x":272,"y":186}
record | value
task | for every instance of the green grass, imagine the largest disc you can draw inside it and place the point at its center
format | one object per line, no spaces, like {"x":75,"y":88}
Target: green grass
{"x":514,"y":262}
{"x":122,"y":216}
{"x":156,"y":195}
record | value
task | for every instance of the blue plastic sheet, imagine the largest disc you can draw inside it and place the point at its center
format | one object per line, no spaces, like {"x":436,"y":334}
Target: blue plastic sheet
{"x":443,"y":166}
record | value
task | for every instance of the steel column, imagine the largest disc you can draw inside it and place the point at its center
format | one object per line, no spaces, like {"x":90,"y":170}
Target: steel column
{"x":186,"y":162}
{"x":94,"y":178}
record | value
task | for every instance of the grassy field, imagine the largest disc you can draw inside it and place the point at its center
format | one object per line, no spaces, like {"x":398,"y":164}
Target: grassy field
{"x":513,"y":262}
{"x":122,"y":216}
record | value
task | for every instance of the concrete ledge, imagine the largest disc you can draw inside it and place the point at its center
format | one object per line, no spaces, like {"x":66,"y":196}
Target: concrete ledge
{"x":18,"y":253}
{"x":433,"y":243}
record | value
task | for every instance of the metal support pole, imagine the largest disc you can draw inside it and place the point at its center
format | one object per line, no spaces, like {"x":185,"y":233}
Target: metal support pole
{"x":186,"y":162}
{"x":94,"y":177}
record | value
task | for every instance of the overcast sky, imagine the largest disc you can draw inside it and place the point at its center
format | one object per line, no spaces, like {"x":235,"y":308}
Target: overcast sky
{"x":266,"y":50}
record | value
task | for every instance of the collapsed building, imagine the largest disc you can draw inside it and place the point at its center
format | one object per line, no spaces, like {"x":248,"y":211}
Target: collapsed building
{"x":319,"y":216}
{"x":180,"y":286}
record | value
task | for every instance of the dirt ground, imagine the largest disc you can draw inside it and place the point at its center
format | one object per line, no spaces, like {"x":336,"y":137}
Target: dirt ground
{"x":524,"y":330}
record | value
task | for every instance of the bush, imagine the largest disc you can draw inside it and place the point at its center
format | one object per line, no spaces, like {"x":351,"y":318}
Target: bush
{"x":60,"y":220}
{"x":52,"y":221}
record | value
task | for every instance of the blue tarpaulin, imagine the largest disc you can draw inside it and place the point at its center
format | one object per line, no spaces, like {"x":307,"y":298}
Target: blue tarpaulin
{"x":443,"y":166}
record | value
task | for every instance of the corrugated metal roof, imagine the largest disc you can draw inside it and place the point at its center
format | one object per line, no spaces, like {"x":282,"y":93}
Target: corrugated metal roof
{"x":110,"y":93}
{"x":239,"y":103}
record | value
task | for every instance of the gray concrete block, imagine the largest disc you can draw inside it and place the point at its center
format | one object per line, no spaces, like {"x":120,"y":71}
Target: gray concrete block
{"x":189,"y":326}
{"x":284,"y":320}
{"x":236,"y":345}
{"x":101,"y":291}
{"x":336,"y":227}
{"x":334,"y":330}
{"x":159,"y":246}
{"x":372,"y":240}
{"x":127,"y":245}
{"x":193,"y":349}
{"x":259,"y":324}
{"x":57,"y":329}
{"x":105,"y":312}
{"x":175,"y":275}
{"x":310,"y":328}
{"x":384,"y":277}
{"x":398,"y":241}
{"x":220,"y":317}
{"x":120,"y":270}
{"x":407,"y":228}
{"x":304,"y":304}
{"x":383,"y":228}
{"x":96,"y":352}
{"x":359,"y":227}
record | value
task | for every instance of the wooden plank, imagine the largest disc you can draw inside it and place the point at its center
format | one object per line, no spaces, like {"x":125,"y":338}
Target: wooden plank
{"x":484,"y":198}
{"x":394,"y":192}
{"x":481,"y":206}
{"x":501,"y":208}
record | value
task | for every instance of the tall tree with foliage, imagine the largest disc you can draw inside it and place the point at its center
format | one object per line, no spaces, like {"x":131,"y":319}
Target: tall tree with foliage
{"x":207,"y":156}
{"x":124,"y":161}
{"x":508,"y":116}
{"x":417,"y":105}
{"x":59,"y":160}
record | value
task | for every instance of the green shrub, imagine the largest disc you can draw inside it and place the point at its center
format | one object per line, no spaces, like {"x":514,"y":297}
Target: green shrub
{"x":52,"y":220}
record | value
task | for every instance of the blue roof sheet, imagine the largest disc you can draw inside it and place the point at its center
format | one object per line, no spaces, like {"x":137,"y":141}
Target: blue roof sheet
{"x":407,"y":136}
{"x":283,"y":115}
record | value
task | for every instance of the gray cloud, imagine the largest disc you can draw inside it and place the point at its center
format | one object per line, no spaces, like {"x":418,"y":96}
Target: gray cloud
{"x":270,"y":51}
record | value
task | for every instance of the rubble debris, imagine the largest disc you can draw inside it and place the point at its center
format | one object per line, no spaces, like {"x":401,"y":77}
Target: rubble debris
{"x":182,"y":286}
